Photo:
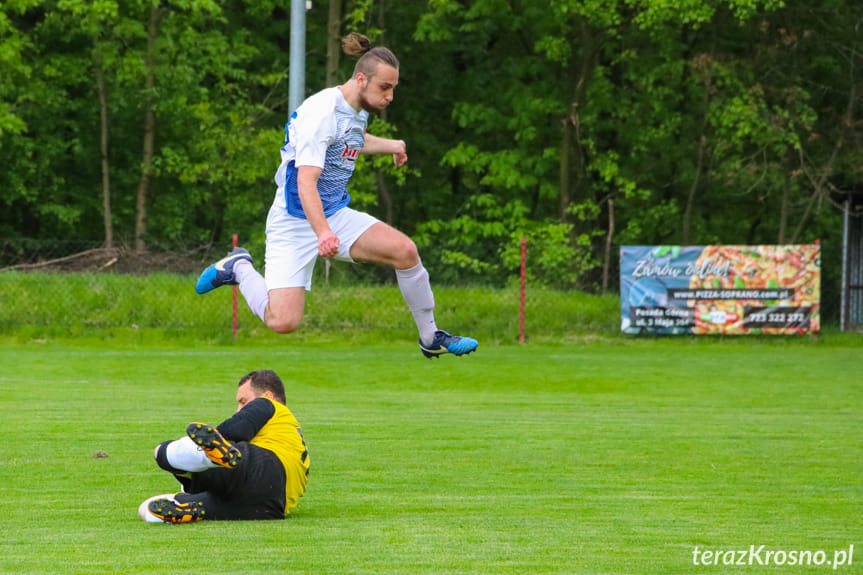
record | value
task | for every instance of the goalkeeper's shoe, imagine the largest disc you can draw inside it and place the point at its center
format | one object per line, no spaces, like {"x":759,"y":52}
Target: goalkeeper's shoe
{"x":170,"y":511}
{"x":221,"y":273}
{"x":446,"y":343}
{"x":218,"y":449}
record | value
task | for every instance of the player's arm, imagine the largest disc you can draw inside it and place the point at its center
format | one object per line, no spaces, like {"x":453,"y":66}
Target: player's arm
{"x":315,"y":130}
{"x":307,"y":188}
{"x":376,"y":145}
{"x":246,"y":423}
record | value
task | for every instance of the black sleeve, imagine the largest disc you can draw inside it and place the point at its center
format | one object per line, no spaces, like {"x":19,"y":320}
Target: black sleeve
{"x":246,"y":423}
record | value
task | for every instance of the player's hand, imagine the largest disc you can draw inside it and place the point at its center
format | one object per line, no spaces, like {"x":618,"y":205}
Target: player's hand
{"x":328,"y":244}
{"x":400,"y":156}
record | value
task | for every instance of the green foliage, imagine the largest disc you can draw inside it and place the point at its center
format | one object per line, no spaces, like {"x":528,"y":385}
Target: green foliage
{"x":364,"y":184}
{"x":205,"y":107}
{"x":13,"y":71}
{"x":464,"y":245}
{"x":728,"y":121}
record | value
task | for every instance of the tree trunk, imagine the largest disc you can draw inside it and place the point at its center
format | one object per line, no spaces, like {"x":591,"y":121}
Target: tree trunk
{"x":805,"y":217}
{"x":693,"y":189}
{"x":149,"y":130}
{"x":574,"y":152}
{"x":385,"y":198}
{"x":820,"y":183}
{"x":700,"y":65}
{"x":783,"y":207}
{"x":565,"y":153}
{"x":334,"y":45}
{"x":106,"y":179}
{"x":606,"y":264}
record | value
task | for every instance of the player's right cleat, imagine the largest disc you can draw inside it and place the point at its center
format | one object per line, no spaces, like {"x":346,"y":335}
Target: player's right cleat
{"x":221,"y":273}
{"x":173,"y":512}
{"x":446,"y":343}
{"x":218,"y":449}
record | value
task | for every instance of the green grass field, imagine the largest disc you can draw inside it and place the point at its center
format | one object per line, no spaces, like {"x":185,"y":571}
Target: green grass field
{"x":602,"y":456}
{"x":157,"y":307}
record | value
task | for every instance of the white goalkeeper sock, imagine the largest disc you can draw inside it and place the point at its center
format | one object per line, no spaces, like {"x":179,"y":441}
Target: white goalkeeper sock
{"x":415,"y":288}
{"x":144,"y":509}
{"x":186,"y":455}
{"x":253,"y":286}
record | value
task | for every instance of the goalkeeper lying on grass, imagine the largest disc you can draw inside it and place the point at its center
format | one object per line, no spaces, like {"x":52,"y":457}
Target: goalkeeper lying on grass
{"x":254,"y":465}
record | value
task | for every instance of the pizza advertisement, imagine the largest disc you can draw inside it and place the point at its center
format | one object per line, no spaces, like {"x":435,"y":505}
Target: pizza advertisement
{"x":720,"y":289}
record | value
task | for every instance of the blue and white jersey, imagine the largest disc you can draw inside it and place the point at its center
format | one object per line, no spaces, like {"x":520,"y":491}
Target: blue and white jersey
{"x":325,"y":132}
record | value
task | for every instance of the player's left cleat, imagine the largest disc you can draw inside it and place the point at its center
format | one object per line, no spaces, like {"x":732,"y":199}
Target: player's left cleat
{"x":221,"y":273}
{"x":172,"y":512}
{"x":218,"y":449}
{"x":446,"y":343}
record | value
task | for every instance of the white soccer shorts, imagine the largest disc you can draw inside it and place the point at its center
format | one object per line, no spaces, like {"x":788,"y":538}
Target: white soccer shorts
{"x":292,"y":246}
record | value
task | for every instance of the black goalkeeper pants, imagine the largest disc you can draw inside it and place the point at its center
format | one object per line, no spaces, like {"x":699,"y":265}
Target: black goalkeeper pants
{"x":255,"y":489}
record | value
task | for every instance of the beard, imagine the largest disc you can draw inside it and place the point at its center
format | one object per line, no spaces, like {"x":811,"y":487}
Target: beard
{"x":368,"y":106}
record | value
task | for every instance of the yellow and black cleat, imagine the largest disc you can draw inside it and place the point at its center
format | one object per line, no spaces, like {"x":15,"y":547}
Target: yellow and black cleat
{"x":218,"y":449}
{"x":173,"y":512}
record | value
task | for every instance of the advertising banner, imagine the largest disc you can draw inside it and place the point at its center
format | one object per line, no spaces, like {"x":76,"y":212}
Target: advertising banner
{"x":720,"y":289}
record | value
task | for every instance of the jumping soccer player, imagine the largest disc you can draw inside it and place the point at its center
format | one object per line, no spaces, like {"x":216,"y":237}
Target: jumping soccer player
{"x":254,"y":465}
{"x":310,"y":216}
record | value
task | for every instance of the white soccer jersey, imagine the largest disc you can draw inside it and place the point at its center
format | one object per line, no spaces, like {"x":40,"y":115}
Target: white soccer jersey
{"x":325,"y":132}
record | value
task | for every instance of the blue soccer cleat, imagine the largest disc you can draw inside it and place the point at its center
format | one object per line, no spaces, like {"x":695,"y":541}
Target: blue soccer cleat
{"x":446,"y":343}
{"x":221,"y":273}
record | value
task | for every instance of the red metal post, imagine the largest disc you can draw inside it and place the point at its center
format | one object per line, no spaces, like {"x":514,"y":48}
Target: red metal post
{"x":234,"y":311}
{"x":815,"y":334}
{"x":521,"y":295}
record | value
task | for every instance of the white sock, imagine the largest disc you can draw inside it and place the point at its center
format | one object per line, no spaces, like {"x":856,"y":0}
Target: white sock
{"x":253,"y":286}
{"x":144,"y":509}
{"x":415,"y":287}
{"x":186,"y":455}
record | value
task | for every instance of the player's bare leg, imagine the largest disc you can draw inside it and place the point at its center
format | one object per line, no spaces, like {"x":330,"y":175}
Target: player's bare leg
{"x":284,"y":312}
{"x":386,"y":245}
{"x":281,"y":309}
{"x":383,"y":244}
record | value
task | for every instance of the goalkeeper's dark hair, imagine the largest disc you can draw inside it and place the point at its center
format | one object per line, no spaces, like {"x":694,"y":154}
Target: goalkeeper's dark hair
{"x":263,"y":380}
{"x":356,"y":44}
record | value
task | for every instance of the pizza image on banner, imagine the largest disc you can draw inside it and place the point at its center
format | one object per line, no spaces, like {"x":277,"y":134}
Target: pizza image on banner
{"x":720,"y":289}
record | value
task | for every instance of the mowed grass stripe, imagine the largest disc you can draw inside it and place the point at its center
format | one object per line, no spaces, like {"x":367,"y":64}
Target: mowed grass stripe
{"x":605,"y":457}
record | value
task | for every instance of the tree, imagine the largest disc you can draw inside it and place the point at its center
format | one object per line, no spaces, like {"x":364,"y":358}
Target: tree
{"x":640,"y":116}
{"x":580,"y":124}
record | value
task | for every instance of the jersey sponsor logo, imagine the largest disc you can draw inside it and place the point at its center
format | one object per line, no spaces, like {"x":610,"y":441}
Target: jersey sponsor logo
{"x":350,"y":153}
{"x":354,"y":140}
